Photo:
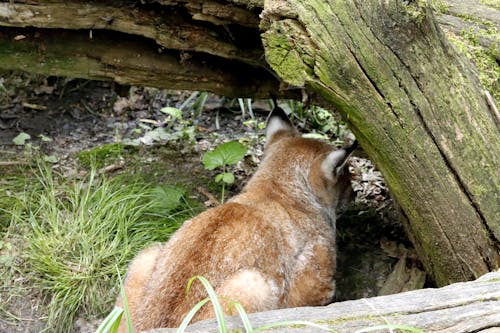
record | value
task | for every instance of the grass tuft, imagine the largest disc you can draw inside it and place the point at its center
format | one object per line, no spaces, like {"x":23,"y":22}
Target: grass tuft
{"x":78,"y":232}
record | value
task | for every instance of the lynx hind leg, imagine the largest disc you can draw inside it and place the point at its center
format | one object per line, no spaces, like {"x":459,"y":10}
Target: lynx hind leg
{"x":252,"y":289}
{"x":313,"y":283}
{"x":138,"y":273}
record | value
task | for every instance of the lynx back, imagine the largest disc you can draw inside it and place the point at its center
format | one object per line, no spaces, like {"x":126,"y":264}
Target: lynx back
{"x":272,"y":246}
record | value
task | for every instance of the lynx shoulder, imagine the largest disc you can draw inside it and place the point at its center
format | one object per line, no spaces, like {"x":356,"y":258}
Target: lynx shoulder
{"x":272,"y":246}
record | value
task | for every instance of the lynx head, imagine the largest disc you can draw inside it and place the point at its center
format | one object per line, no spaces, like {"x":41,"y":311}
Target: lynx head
{"x":309,"y":163}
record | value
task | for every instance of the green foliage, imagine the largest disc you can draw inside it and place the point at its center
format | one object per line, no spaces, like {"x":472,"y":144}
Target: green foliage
{"x":32,"y":150}
{"x":226,"y":154}
{"x":172,"y":128}
{"x":219,"y":313}
{"x":226,"y":177}
{"x":112,"y":321}
{"x":76,"y":234}
{"x":169,"y":197}
{"x":320,"y":123}
{"x":173,"y":112}
{"x":21,"y":139}
{"x":101,"y":155}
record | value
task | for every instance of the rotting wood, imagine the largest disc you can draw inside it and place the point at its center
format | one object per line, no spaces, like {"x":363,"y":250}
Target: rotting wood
{"x":169,"y":29}
{"x":225,"y":29}
{"x":382,"y":66}
{"x":136,"y":62}
{"x":458,"y":308}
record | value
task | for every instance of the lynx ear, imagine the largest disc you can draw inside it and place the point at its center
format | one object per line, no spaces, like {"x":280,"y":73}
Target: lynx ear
{"x":278,"y":121}
{"x":334,"y":164}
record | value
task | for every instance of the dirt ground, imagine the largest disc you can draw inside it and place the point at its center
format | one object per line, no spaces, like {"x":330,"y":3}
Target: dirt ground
{"x":67,"y":116}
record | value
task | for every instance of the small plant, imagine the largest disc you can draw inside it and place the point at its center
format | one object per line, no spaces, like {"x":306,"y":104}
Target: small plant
{"x":320,"y":123}
{"x":31,"y":149}
{"x":172,"y":128}
{"x":222,"y":157}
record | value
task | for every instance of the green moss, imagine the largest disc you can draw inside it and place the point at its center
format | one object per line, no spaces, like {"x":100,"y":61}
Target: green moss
{"x":474,"y":19}
{"x":289,"y":52}
{"x":416,"y":10}
{"x":484,"y":59}
{"x":439,"y":6}
{"x":491,"y":3}
{"x":284,"y":59}
{"x":101,"y":155}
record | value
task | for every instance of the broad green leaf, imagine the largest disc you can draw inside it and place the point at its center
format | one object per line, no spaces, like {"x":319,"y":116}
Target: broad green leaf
{"x":218,"y":178}
{"x":21,"y":139}
{"x":169,"y":197}
{"x":212,"y":160}
{"x":226,"y":154}
{"x":174,"y":112}
{"x":158,"y":134}
{"x":50,"y":158}
{"x":45,"y":138}
{"x":228,"y":178}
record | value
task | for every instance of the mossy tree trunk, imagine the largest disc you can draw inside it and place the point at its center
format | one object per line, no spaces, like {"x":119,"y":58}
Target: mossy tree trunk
{"x":414,"y":104}
{"x":417,"y":110}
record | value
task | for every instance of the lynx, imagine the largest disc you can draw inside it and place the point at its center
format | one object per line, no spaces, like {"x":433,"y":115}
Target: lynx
{"x":270,"y":247}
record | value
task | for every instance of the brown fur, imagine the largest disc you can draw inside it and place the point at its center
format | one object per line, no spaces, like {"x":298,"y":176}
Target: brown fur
{"x":272,"y":246}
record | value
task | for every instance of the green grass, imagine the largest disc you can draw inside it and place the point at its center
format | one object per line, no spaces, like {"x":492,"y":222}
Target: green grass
{"x":75,"y":234}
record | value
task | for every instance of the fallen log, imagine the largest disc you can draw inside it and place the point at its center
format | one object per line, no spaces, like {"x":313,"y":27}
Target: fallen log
{"x":174,"y":33}
{"x":458,"y":308}
{"x":415,"y":105}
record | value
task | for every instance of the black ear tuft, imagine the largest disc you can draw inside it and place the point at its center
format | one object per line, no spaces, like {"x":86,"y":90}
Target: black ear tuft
{"x":278,"y":113}
{"x":351,"y":148}
{"x":335,"y":163}
{"x":278,"y":121}
{"x":342,"y":164}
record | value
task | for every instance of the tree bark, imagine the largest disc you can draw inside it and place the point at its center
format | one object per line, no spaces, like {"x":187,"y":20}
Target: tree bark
{"x":414,"y":104}
{"x":164,"y":44}
{"x":470,"y":16}
{"x":458,"y":308}
{"x":106,"y":56}
{"x":170,"y":31}
{"x":417,"y":110}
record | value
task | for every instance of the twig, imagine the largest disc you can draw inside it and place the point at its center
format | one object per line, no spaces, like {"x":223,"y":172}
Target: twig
{"x":9,"y":163}
{"x":493,"y":107}
{"x":212,"y":200}
{"x":111,"y":168}
{"x":35,"y":106}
